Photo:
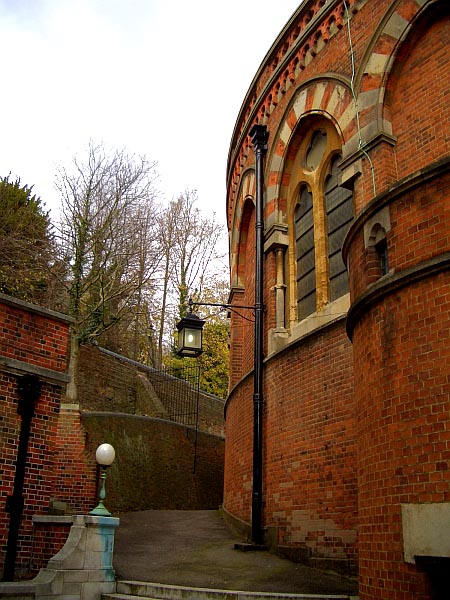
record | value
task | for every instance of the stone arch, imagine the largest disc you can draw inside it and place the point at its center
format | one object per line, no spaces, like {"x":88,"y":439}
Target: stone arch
{"x":330,"y":98}
{"x":239,"y":230}
{"x":326,"y":103}
{"x":377,"y":64}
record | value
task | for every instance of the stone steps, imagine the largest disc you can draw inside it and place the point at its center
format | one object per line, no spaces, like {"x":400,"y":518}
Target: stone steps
{"x":138,"y":590}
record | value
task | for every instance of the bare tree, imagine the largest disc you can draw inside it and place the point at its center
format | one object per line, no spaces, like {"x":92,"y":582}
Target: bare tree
{"x":167,"y":232}
{"x":192,"y":255}
{"x":108,"y":211}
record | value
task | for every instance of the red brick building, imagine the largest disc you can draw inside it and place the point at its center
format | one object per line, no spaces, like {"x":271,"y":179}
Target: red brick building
{"x":54,"y":463}
{"x":356,"y":421}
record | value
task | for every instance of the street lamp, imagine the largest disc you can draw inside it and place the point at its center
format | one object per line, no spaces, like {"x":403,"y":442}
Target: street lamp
{"x":259,"y":136}
{"x":190,"y":330}
{"x":190,"y":338}
{"x":104,"y":456}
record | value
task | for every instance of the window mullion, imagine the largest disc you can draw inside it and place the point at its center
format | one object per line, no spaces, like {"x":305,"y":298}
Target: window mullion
{"x":320,"y":246}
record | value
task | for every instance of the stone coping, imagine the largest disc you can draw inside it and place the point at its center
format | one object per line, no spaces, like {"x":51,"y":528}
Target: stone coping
{"x":53,"y":519}
{"x":39,"y":310}
{"x":19,"y":367}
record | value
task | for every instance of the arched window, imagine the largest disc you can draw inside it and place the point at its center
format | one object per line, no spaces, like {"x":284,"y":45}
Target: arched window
{"x":321,"y":213}
{"x":378,"y":259}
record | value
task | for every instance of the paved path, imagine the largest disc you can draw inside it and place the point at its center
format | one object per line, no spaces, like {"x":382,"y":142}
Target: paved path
{"x":195,"y":548}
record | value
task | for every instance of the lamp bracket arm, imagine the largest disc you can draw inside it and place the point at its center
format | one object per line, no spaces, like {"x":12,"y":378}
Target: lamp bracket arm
{"x":231,"y":306}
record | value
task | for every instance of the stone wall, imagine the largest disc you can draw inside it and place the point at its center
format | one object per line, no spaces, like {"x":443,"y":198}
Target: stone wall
{"x":108,"y":382}
{"x":159,"y":464}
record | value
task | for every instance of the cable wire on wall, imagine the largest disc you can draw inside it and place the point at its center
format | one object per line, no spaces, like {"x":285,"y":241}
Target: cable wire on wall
{"x":355,"y":99}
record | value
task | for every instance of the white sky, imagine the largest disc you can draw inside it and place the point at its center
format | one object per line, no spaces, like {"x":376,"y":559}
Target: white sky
{"x":164,"y":78}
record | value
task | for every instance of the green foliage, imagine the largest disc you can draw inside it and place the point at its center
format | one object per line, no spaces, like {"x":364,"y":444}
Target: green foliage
{"x":25,"y":243}
{"x":215,"y":367}
{"x":214,"y":372}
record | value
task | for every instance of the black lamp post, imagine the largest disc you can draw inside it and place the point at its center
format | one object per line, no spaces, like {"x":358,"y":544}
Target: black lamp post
{"x":190,"y":332}
{"x":259,"y":136}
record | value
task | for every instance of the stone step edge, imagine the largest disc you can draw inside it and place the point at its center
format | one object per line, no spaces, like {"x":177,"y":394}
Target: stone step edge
{"x":126,"y":597}
{"x":184,"y":593}
{"x":269,"y":596}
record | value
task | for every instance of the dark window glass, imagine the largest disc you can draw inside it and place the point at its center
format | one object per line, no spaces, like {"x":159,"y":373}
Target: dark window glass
{"x":304,"y":251}
{"x":316,"y":149}
{"x":339,"y":213}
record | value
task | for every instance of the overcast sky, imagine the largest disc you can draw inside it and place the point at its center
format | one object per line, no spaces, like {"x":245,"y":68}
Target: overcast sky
{"x":164,"y":78}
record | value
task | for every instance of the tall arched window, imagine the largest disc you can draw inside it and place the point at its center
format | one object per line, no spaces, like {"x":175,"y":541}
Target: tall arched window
{"x":322,"y":211}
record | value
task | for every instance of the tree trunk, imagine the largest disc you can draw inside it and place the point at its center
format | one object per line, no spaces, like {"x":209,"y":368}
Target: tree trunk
{"x":72,"y":386}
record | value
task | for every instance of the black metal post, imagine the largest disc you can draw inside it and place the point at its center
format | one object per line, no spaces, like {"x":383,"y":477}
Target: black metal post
{"x":28,"y":389}
{"x":259,"y":136}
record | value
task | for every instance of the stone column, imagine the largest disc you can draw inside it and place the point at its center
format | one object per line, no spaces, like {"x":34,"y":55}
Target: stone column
{"x":280,"y":288}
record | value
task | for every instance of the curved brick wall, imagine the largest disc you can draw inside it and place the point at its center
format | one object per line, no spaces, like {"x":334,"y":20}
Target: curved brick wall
{"x":309,"y":448}
{"x":399,"y":325}
{"x":356,"y":398}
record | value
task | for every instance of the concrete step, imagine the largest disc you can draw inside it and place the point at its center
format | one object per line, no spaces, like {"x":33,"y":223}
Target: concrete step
{"x":134,"y":590}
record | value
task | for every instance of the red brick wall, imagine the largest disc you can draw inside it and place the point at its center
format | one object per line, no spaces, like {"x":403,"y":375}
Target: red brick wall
{"x":310,"y":479}
{"x":238,"y":452}
{"x":75,"y":465}
{"x":309,"y":449}
{"x":39,"y":443}
{"x":403,"y":407}
{"x":419,"y":85}
{"x":47,"y":540}
{"x":396,"y":420}
{"x":30,"y":338}
{"x":237,"y":329}
{"x":242,"y":329}
{"x":402,"y":373}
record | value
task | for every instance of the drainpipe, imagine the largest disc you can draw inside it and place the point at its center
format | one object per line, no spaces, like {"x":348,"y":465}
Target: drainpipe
{"x":28,"y":389}
{"x":259,"y":137}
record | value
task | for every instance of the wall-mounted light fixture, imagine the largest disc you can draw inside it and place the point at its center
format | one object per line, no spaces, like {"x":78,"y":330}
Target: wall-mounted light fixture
{"x":190,"y":330}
